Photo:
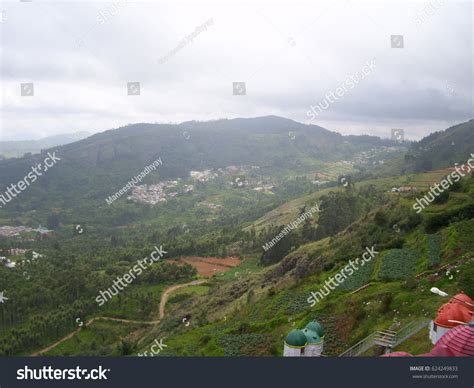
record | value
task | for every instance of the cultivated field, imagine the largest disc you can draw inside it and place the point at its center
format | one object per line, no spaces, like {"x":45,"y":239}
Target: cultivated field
{"x":209,"y":266}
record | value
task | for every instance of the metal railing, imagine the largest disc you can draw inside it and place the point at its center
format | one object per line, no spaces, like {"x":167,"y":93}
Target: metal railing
{"x":410,"y":330}
{"x":387,"y":338}
{"x":360,"y":347}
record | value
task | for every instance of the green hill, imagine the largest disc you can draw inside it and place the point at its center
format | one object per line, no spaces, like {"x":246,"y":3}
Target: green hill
{"x":252,"y":314}
{"x":249,"y":309}
{"x":98,"y":166}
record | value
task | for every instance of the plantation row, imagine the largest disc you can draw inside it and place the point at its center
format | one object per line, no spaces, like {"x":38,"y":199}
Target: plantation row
{"x":399,"y":264}
{"x":359,"y":278}
{"x":434,"y":251}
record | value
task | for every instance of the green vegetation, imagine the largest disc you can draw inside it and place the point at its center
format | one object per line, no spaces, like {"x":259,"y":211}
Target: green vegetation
{"x":434,"y":249}
{"x":398,"y":264}
{"x":249,"y":309}
{"x":100,"y":338}
{"x":361,"y":277}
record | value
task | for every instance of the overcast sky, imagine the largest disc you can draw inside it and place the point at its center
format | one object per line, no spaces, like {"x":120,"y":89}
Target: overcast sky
{"x":81,"y":55}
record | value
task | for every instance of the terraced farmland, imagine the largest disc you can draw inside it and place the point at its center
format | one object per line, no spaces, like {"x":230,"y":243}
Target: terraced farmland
{"x":241,"y":344}
{"x":359,"y":278}
{"x":434,"y":249}
{"x":399,"y":264}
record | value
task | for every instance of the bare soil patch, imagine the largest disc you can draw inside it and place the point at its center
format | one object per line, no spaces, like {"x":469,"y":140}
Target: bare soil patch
{"x":209,"y":266}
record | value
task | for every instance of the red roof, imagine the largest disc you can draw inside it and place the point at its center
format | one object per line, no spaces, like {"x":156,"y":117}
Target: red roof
{"x":463,"y":297}
{"x":439,"y":351}
{"x":453,"y":311}
{"x":459,"y":341}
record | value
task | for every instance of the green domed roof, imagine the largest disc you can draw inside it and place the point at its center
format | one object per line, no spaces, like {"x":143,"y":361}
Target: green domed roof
{"x":311,"y":336}
{"x":316,"y":327}
{"x":296,"y":338}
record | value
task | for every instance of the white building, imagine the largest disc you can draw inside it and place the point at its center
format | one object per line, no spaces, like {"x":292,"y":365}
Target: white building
{"x":450,"y":315}
{"x":308,"y":342}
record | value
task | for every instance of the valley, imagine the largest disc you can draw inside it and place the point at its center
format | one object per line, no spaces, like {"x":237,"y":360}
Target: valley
{"x":224,"y":294}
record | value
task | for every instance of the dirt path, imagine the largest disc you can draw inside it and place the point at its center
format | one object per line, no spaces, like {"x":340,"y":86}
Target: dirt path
{"x":163,"y":300}
{"x":169,"y":290}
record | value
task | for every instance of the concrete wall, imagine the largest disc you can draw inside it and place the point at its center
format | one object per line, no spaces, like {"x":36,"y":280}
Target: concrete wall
{"x":435,"y":335}
{"x":313,"y":350}
{"x":291,"y":352}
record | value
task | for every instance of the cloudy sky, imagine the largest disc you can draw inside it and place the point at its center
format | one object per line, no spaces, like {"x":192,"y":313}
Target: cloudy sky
{"x":80,"y":56}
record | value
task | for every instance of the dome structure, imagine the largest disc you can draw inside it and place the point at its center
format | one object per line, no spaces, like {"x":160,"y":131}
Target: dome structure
{"x":296,"y":338}
{"x":311,"y":337}
{"x":462,"y":297}
{"x":308,"y":342}
{"x":316,"y":327}
{"x":450,"y":312}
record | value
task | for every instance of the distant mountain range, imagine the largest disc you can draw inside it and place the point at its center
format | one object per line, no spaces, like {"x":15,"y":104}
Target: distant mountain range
{"x":442,"y":148}
{"x":17,"y":149}
{"x":97,"y":166}
{"x":116,"y":155}
{"x":264,"y":141}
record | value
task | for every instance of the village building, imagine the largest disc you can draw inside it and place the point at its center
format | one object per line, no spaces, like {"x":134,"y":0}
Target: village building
{"x":454,"y":313}
{"x":452,"y":331}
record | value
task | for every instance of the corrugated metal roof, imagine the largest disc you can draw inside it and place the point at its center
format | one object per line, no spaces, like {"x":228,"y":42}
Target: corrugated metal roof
{"x":459,"y":340}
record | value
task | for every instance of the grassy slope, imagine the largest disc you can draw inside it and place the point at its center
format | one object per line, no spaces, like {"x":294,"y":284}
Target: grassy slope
{"x":289,"y":211}
{"x":247,"y":311}
{"x":240,"y":321}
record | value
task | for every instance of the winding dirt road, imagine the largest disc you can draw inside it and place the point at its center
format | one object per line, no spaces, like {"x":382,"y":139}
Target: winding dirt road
{"x":169,"y":290}
{"x":164,"y":298}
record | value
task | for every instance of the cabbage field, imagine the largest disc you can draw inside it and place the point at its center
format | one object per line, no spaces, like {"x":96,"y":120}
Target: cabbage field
{"x":399,"y":264}
{"x":359,"y":278}
{"x":434,"y":249}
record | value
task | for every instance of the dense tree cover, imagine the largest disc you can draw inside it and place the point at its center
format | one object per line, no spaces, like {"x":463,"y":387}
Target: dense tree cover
{"x":435,"y":222}
{"x":340,"y":209}
{"x":281,"y":248}
{"x":45,"y":296}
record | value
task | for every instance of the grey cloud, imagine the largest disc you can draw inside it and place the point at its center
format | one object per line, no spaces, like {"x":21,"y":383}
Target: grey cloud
{"x":289,"y":56}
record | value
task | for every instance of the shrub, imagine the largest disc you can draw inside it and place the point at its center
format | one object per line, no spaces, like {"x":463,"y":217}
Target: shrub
{"x":442,"y":198}
{"x":410,"y":284}
{"x":380,"y":218}
{"x":438,"y":221}
{"x":205,"y":339}
{"x":360,"y":315}
{"x":386,"y":302}
{"x":465,"y":281}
